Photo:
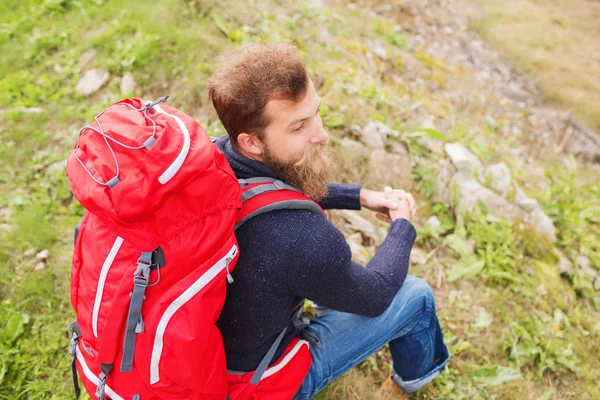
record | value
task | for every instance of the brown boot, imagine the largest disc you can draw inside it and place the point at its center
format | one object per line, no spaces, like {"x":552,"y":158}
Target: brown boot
{"x":389,"y":390}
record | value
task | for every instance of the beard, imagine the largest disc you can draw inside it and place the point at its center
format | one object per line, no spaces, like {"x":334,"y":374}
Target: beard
{"x":311,"y":173}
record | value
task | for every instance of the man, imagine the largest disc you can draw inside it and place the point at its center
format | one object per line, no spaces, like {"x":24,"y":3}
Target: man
{"x":270,"y":109}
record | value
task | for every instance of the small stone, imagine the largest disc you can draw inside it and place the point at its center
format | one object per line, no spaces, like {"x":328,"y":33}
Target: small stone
{"x":590,"y":273}
{"x":380,"y":52}
{"x":583,"y":262}
{"x":87,"y":57}
{"x":4,"y":214}
{"x":39,"y":266}
{"x":525,"y":202}
{"x":128,"y":84}
{"x":354,"y":147}
{"x":29,"y":252}
{"x":56,"y":167}
{"x":92,"y":81}
{"x":43,"y":255}
{"x":359,"y":253}
{"x":462,"y":158}
{"x":375,"y":134}
{"x":417,"y":256}
{"x":499,"y":177}
{"x":434,"y":223}
{"x":543,"y":224}
{"x":360,"y":224}
{"x":565,"y":267}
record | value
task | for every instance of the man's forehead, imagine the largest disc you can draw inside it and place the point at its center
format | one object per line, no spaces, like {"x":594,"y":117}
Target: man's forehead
{"x":287,"y":111}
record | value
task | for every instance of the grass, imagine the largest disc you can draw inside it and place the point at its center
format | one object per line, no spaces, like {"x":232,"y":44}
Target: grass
{"x":515,"y":327}
{"x":555,"y":42}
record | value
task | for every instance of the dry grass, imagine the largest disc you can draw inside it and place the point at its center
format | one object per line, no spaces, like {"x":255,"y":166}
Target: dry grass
{"x":557,"y":42}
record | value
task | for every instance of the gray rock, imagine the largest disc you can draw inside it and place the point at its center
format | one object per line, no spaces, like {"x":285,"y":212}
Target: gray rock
{"x":583,"y":262}
{"x":417,"y":256}
{"x":92,"y":81}
{"x":380,"y":52}
{"x":499,"y":177}
{"x":444,"y":178}
{"x":128,"y":84}
{"x":43,"y":255}
{"x":522,"y":200}
{"x":375,"y":134}
{"x":55,"y":167}
{"x":543,"y":224}
{"x":565,"y":267}
{"x":360,"y":224}
{"x":462,"y":158}
{"x":359,"y":253}
{"x":467,"y":192}
{"x":39,"y":266}
{"x":353,"y":146}
{"x":434,"y":223}
{"x":86,"y":58}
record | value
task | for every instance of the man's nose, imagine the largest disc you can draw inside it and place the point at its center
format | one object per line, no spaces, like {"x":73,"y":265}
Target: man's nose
{"x":321,"y":136}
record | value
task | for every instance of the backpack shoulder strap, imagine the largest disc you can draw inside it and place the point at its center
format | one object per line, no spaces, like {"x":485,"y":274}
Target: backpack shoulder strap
{"x":262,"y":195}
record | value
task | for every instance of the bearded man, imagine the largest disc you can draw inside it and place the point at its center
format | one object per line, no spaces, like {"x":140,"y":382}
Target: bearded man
{"x":270,"y":109}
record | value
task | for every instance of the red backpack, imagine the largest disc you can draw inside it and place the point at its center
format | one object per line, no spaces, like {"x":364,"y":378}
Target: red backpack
{"x":152,"y":257}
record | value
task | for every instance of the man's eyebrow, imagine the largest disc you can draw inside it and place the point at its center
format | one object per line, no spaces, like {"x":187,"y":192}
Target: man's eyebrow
{"x":305,"y":118}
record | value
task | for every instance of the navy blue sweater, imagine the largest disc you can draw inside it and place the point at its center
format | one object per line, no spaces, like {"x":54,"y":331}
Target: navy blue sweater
{"x":289,"y":255}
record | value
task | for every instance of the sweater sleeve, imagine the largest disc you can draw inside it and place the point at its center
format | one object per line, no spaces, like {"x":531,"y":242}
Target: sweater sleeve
{"x":321,"y":268}
{"x":342,"y":196}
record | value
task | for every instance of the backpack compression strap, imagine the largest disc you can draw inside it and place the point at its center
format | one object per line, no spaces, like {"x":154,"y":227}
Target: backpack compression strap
{"x":261,"y":195}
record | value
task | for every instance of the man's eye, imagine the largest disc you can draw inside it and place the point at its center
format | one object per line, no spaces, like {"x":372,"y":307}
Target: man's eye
{"x":296,"y":129}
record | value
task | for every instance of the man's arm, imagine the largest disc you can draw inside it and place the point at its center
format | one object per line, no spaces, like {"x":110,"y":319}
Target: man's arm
{"x":342,"y":196}
{"x":320,"y":268}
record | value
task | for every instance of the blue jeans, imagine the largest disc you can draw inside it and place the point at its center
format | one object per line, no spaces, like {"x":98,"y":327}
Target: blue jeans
{"x":409,"y":325}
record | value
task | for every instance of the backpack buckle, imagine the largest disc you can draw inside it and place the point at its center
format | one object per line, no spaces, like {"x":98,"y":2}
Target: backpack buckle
{"x":101,"y":386}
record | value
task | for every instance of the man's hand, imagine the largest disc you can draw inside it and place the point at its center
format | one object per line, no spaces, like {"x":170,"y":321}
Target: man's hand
{"x":388,"y":204}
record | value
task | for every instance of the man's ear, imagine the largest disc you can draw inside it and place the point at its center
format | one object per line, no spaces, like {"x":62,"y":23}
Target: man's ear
{"x":250,"y":146}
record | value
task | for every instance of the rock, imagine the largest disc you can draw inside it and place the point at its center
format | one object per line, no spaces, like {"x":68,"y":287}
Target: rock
{"x":543,"y":224}
{"x":444,"y":178}
{"x":29,"y":252}
{"x":375,"y":134}
{"x":4,"y":214}
{"x":359,"y":253}
{"x":597,"y":284}
{"x":55,"y":167}
{"x":433,"y":145}
{"x":434,"y":223}
{"x":25,"y":110}
{"x":462,"y":158}
{"x":380,"y":52}
{"x":43,"y":255}
{"x":92,"y":81}
{"x":399,"y":147}
{"x":565,"y":267}
{"x":390,"y":169}
{"x":523,"y":201}
{"x":39,"y":266}
{"x":583,"y":262}
{"x":499,"y":177}
{"x":466,"y":193}
{"x":360,"y":224}
{"x":589,"y":272}
{"x":128,"y":84}
{"x":86,"y":58}
{"x":417,"y":256}
{"x":354,"y":147}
